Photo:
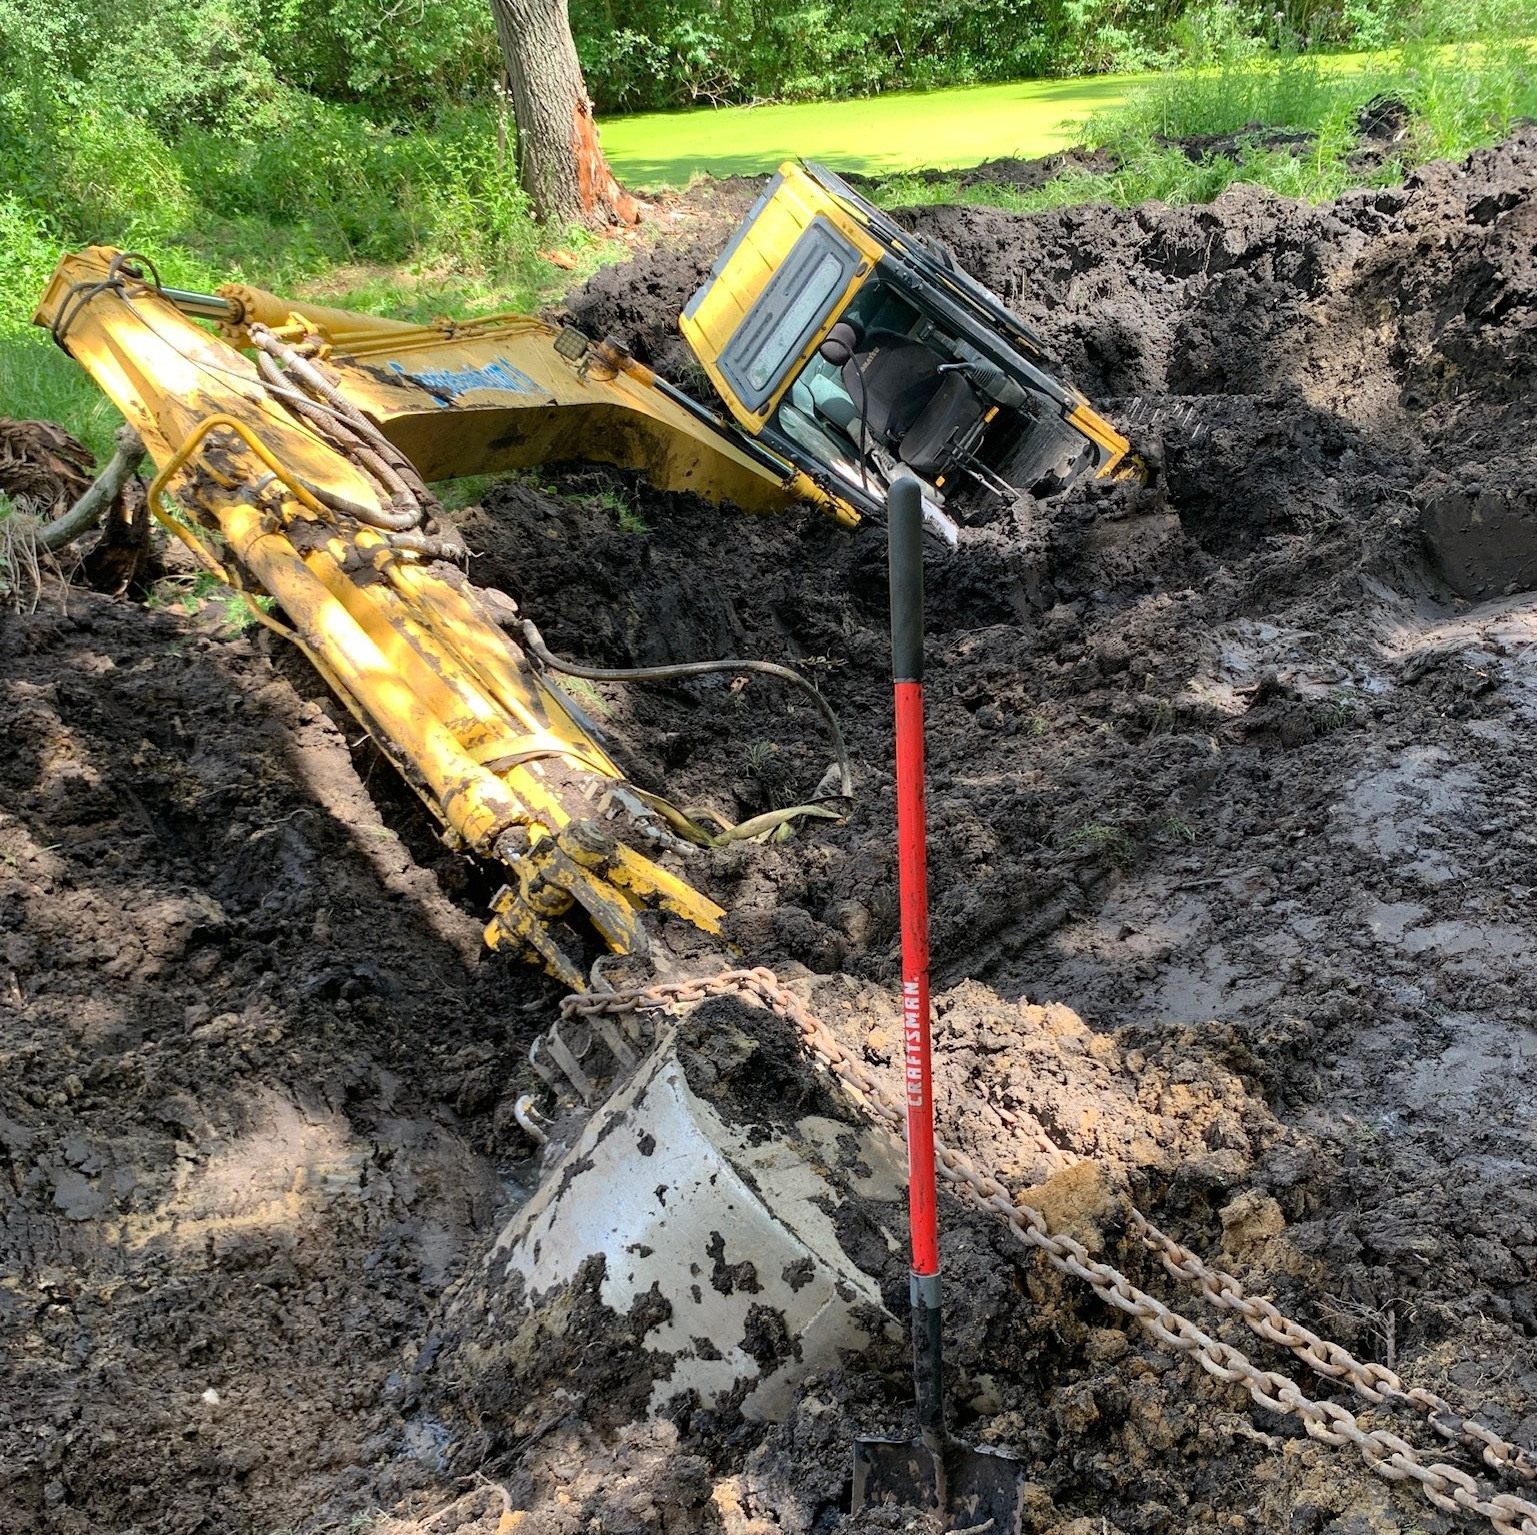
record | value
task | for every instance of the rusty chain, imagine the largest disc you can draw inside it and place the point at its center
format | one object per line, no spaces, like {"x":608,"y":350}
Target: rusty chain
{"x":1374,"y":1383}
{"x":1447,"y":1487}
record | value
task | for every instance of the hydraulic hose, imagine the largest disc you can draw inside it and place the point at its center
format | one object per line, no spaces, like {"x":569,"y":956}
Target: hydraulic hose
{"x":536,"y":644}
{"x":412,"y":493}
{"x":403,"y":513}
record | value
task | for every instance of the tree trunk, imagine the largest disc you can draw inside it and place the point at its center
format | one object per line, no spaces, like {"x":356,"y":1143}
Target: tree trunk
{"x":560,"y":164}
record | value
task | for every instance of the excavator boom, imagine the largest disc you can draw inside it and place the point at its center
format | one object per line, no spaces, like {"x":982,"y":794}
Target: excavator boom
{"x":299,"y":441}
{"x":300,"y":475}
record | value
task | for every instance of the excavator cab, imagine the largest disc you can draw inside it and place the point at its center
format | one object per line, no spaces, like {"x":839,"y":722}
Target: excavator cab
{"x":859,"y":352}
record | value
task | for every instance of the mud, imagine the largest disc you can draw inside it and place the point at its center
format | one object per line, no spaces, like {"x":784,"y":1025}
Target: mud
{"x":1231,"y":850}
{"x":253,"y":1061}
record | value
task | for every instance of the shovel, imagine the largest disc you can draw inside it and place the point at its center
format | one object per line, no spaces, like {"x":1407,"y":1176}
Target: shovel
{"x":975,"y":1490}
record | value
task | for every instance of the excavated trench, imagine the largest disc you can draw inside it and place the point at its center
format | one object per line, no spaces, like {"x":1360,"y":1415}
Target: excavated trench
{"x":1231,"y":849}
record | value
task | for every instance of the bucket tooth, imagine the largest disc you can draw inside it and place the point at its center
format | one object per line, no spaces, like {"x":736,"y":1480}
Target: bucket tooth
{"x":549,"y":1051}
{"x":556,"y":1060}
{"x":614,"y":1038}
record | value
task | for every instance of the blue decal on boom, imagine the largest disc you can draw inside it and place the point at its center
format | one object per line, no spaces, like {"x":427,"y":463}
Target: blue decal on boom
{"x":456,"y":381}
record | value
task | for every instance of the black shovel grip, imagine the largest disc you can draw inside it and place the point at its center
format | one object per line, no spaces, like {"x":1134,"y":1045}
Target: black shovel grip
{"x":904,"y":530}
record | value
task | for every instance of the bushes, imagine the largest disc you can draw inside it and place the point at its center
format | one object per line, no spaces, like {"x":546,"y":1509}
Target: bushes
{"x":1463,"y":93}
{"x":660,"y":54}
{"x":30,"y":252}
{"x":675,"y":53}
{"x":206,"y":62}
{"x":1462,"y":97}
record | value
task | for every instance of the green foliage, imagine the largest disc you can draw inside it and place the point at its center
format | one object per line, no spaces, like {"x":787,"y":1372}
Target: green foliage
{"x":658,"y":54}
{"x":207,"y":63}
{"x":670,"y":53}
{"x":758,"y":755}
{"x":1112,"y":843}
{"x":626,"y":516}
{"x":1176,"y":829}
{"x":28,"y":251}
{"x":36,"y":378}
{"x":279,"y":141}
{"x":586,"y":697}
{"x":1228,"y":79}
{"x":1341,"y":708}
{"x":1464,"y":66}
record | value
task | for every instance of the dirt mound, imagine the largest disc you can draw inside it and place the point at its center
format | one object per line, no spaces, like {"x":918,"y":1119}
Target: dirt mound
{"x":1231,"y":849}
{"x":1238,"y":144}
{"x":1010,"y":171}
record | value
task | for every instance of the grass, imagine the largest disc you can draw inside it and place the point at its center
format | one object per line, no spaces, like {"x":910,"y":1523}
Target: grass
{"x":626,"y":518}
{"x":1469,"y":93}
{"x":757,"y":756}
{"x":1109,"y":842}
{"x":1341,"y":710}
{"x":39,"y":381}
{"x":1463,"y":98}
{"x":200,"y":592}
{"x":586,"y":696}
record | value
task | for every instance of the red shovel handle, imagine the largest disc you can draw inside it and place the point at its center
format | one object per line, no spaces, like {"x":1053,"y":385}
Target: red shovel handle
{"x":905,"y":530}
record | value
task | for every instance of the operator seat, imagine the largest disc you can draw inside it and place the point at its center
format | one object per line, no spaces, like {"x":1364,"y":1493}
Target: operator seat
{"x":929,"y":415}
{"x":890,"y":378}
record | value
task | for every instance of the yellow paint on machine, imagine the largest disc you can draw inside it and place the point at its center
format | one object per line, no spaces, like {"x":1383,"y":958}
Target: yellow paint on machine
{"x":408,"y":645}
{"x":790,"y":205}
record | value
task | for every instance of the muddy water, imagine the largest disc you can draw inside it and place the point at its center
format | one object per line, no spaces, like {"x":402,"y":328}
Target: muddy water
{"x":1232,"y":845}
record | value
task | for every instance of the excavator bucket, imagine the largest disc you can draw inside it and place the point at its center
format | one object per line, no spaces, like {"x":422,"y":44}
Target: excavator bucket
{"x":702,"y":1197}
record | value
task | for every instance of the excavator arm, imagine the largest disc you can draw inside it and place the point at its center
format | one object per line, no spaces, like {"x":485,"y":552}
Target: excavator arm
{"x":299,"y":471}
{"x":295,"y":448}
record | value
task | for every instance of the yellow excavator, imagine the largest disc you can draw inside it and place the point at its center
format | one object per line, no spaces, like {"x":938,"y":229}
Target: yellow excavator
{"x":859,"y":352}
{"x":296,"y":444}
{"x":295,"y":450}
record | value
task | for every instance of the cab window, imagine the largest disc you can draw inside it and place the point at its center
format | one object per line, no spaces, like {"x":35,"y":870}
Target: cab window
{"x":791,"y":308}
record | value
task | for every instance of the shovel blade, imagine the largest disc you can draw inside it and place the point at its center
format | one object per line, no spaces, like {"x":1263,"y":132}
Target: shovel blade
{"x":973,"y":1489}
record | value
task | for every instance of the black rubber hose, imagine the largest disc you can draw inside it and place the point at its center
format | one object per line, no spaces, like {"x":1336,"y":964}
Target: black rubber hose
{"x":403,"y":513}
{"x":535,"y":642}
{"x":340,"y":435}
